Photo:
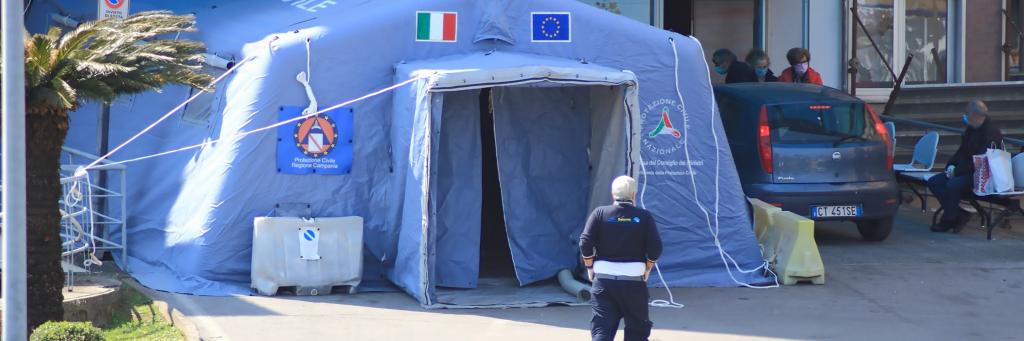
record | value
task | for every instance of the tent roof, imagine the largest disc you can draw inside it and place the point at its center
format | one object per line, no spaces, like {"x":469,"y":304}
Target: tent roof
{"x":487,"y":69}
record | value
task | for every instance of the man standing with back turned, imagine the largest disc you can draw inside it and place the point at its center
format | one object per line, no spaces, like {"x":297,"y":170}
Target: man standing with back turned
{"x":620,"y":245}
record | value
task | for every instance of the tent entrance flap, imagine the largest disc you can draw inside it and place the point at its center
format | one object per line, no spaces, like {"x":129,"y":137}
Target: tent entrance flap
{"x":542,"y":138}
{"x":515,"y":175}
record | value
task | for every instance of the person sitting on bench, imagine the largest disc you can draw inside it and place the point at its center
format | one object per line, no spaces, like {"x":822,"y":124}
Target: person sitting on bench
{"x":958,"y":179}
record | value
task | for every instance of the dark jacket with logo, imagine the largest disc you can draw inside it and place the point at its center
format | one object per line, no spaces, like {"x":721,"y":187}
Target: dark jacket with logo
{"x":974,"y":142}
{"x":621,"y":233}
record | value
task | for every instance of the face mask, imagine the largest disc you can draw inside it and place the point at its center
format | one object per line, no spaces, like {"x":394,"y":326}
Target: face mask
{"x":761,"y":72}
{"x":967,"y":121}
{"x":801,"y":68}
{"x":721,"y":70}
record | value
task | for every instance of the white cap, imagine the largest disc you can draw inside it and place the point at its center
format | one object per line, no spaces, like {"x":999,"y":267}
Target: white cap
{"x":624,"y":188}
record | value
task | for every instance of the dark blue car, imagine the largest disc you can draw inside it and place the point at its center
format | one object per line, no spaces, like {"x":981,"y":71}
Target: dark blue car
{"x":812,"y":150}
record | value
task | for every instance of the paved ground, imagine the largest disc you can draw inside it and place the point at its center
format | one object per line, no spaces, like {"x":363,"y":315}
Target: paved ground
{"x":917,"y":285}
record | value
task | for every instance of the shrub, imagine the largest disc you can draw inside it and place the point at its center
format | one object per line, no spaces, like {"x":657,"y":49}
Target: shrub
{"x":67,"y":331}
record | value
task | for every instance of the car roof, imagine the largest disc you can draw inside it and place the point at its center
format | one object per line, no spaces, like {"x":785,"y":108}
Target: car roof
{"x":777,"y":93}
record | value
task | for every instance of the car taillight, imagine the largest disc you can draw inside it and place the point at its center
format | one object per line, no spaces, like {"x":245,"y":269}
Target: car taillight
{"x":764,"y":140}
{"x":884,"y":133}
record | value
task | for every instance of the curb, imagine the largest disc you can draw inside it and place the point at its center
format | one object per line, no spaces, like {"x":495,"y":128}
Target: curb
{"x":169,"y":312}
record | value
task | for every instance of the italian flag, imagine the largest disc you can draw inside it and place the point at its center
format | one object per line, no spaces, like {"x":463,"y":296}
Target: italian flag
{"x":436,"y":26}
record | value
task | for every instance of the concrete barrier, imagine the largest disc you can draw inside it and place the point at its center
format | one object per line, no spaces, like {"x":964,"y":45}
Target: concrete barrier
{"x":788,"y":243}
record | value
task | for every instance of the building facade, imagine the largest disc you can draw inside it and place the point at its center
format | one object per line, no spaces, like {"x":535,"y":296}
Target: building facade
{"x":953,"y":42}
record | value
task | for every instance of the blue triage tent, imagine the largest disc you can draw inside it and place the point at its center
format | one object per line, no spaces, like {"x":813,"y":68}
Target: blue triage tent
{"x":571,"y":97}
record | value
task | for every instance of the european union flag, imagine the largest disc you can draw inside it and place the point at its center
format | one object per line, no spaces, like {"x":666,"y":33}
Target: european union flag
{"x":551,"y":27}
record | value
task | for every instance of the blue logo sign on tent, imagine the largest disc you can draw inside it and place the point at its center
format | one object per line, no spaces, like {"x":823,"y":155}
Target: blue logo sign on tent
{"x":551,"y":27}
{"x":320,"y":144}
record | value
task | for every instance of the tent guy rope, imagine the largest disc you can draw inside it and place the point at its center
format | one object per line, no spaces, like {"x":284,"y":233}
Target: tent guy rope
{"x":164,"y":117}
{"x":275,"y":125}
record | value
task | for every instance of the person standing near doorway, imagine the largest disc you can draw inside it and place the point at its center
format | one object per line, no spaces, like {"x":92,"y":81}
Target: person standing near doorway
{"x":761,"y":63}
{"x":620,"y":245}
{"x":734,"y":71}
{"x":800,"y":70}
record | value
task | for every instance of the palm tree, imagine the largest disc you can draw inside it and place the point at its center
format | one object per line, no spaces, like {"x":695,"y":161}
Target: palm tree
{"x":98,"y":61}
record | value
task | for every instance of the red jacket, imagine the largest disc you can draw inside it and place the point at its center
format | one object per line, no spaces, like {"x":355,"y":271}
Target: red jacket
{"x":812,"y":77}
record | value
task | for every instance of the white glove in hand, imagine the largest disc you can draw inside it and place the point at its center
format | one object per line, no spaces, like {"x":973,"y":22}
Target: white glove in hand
{"x":950,"y":171}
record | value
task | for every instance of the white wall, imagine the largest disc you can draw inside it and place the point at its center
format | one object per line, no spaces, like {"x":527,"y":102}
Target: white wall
{"x":826,"y":29}
{"x":784,"y":30}
{"x":724,"y":24}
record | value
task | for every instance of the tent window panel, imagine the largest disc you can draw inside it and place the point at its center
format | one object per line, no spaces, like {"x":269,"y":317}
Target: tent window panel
{"x":198,"y":112}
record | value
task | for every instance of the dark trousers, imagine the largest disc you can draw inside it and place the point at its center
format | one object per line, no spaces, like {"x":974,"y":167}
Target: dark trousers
{"x":949,"y":192}
{"x":614,"y":300}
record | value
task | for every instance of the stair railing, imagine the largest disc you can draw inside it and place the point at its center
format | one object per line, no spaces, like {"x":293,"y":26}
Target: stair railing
{"x":939,"y":127}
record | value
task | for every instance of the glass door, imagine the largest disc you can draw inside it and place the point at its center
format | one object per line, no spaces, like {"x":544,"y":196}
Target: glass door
{"x":900,"y":28}
{"x":879,"y":18}
{"x":925,"y":35}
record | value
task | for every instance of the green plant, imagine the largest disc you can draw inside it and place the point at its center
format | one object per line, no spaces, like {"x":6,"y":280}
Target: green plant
{"x":67,"y":331}
{"x":98,"y":61}
{"x":138,"y":318}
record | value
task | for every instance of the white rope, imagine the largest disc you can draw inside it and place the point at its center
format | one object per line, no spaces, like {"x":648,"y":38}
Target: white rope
{"x":272,"y":126}
{"x":309,"y":68}
{"x":713,"y":228}
{"x":164,"y":117}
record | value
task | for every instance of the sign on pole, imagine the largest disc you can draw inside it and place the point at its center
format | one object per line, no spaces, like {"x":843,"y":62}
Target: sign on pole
{"x":117,"y":9}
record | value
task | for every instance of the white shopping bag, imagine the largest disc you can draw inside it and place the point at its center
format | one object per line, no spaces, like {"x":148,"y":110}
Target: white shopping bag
{"x":982,"y":177}
{"x":1000,"y":169}
{"x":1018,"y":170}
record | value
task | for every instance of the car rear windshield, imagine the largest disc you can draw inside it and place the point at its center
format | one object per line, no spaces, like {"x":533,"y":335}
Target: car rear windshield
{"x":820,"y":122}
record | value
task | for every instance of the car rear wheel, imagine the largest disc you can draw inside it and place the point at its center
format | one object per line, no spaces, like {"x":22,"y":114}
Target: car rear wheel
{"x":875,"y":230}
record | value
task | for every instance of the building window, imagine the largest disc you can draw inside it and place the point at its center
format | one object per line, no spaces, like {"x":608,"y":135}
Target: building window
{"x":639,"y":10}
{"x":1013,"y":48}
{"x":878,"y":17}
{"x":901,"y":28}
{"x":926,"y":29}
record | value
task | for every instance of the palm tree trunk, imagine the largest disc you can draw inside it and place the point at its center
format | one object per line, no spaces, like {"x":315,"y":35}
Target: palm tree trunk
{"x":45,"y":130}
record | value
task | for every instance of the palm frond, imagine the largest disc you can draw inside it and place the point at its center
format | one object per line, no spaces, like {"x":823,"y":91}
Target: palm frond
{"x":103,"y":59}
{"x":102,"y":69}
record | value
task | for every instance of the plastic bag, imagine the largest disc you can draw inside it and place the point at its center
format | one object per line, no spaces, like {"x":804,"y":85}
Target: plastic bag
{"x":982,"y":177}
{"x":1018,"y":170}
{"x":1000,"y":170}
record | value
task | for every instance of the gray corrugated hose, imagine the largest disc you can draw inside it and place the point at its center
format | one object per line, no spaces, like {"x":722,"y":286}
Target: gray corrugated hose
{"x":572,"y":286}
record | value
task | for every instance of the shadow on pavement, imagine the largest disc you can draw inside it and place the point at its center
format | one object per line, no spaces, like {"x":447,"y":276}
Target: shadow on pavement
{"x":915,"y":285}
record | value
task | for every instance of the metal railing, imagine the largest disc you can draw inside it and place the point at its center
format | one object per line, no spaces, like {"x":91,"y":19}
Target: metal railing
{"x":88,"y":216}
{"x":104,"y":208}
{"x":939,"y":127}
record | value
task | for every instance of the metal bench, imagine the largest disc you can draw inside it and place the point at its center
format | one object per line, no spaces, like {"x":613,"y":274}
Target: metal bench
{"x":990,"y":217}
{"x":1010,"y":203}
